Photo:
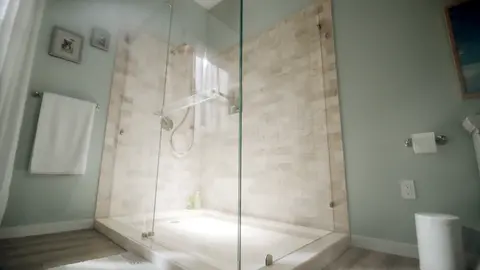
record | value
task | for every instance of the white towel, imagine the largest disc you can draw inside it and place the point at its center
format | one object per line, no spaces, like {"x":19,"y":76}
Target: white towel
{"x":472,"y":124}
{"x":63,"y":135}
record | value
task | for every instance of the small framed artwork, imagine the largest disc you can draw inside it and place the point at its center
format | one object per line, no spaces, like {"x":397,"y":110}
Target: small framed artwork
{"x":100,"y":39}
{"x":66,"y":45}
{"x":463,"y":21}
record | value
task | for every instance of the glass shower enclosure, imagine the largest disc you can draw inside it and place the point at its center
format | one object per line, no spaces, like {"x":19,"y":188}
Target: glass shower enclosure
{"x":223,"y":142}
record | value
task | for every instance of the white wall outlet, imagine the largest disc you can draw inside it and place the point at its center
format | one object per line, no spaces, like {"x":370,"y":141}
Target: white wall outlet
{"x":408,"y":189}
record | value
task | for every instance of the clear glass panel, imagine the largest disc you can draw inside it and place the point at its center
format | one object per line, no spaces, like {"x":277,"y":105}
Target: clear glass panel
{"x":134,"y":126}
{"x":287,"y":192}
{"x":137,"y":144}
{"x":196,"y":205}
{"x":170,"y":166}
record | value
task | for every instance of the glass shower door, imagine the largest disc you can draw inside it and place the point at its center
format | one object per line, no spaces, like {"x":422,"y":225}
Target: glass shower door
{"x":196,"y":204}
{"x":139,"y":131}
{"x":137,"y":93}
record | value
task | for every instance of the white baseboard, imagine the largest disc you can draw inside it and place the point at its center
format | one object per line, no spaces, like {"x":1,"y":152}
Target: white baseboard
{"x":385,"y":246}
{"x":45,"y":228}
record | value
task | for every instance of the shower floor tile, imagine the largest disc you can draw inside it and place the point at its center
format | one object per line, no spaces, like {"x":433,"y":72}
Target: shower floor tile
{"x":212,"y":237}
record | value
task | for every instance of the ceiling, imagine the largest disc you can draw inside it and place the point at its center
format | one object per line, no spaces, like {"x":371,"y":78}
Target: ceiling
{"x":208,"y":4}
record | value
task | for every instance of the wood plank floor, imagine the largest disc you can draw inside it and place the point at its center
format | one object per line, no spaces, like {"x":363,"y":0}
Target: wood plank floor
{"x":361,"y":259}
{"x":47,"y":251}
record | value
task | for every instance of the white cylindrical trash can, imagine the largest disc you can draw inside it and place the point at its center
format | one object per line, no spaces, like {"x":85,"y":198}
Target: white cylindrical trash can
{"x":439,"y":242}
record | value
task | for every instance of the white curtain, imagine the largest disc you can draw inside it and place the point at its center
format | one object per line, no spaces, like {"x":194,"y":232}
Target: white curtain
{"x":19,"y":26}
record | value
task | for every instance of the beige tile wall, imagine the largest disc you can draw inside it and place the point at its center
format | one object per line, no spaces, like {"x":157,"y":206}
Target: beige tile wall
{"x":135,"y":170}
{"x":334,"y":127}
{"x":179,"y":175}
{"x":286,"y":126}
{"x":104,"y":194}
{"x":129,"y":164}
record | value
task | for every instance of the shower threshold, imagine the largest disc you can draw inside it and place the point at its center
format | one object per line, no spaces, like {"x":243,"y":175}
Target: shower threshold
{"x":207,"y":240}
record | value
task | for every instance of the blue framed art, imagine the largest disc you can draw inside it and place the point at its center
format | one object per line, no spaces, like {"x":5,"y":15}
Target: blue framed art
{"x":463,"y":21}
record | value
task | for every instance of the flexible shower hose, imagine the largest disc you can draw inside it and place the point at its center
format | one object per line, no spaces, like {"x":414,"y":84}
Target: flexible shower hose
{"x":175,"y":152}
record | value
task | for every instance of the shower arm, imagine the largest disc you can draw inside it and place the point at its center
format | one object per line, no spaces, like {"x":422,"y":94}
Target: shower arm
{"x":196,"y":99}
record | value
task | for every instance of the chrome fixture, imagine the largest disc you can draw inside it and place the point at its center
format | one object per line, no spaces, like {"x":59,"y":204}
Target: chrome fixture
{"x":166,"y":123}
{"x":232,"y":100}
{"x":439,"y":140}
{"x":169,"y":3}
{"x":147,"y":235}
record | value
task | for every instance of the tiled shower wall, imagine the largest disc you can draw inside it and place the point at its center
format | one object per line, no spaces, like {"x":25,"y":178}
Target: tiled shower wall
{"x":292,"y":148}
{"x":292,"y":145}
{"x":134,"y":137}
{"x":104,"y":194}
{"x":334,"y":126}
{"x":129,"y":167}
{"x":179,"y":171}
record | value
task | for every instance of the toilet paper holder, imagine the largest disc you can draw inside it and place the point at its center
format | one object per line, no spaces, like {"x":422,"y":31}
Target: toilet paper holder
{"x":439,"y":140}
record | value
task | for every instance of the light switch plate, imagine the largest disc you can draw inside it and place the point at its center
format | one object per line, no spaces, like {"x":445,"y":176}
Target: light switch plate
{"x":407,"y":189}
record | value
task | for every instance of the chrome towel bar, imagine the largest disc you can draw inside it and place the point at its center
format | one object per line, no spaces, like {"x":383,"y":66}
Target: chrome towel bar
{"x":39,"y":94}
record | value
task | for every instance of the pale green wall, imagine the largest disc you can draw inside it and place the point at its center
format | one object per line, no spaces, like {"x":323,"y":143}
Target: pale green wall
{"x":43,"y":199}
{"x":397,"y":77}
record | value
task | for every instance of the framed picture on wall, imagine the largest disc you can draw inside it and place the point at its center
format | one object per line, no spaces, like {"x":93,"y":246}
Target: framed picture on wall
{"x":66,"y":45}
{"x":463,"y":21}
{"x":100,"y":39}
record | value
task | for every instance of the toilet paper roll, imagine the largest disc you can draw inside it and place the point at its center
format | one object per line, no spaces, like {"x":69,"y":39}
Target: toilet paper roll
{"x":424,"y":143}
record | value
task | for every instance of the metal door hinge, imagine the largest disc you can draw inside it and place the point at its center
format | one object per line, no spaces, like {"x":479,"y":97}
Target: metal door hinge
{"x":269,"y":260}
{"x":147,"y":235}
